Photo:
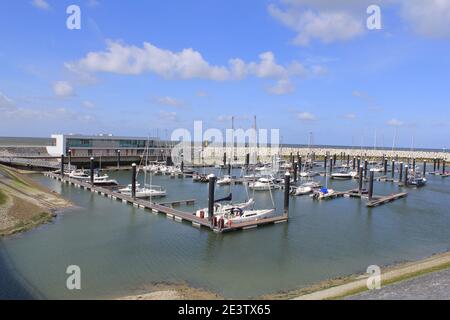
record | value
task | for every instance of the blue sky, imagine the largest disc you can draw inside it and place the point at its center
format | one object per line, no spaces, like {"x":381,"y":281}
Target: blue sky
{"x":298,"y":65}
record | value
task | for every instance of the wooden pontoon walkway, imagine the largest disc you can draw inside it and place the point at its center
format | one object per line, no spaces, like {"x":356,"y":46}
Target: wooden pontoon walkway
{"x":166,"y":207}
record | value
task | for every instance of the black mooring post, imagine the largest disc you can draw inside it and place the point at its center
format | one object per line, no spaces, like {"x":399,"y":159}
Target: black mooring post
{"x":414,"y":165}
{"x":434,"y":165}
{"x":393,"y":169}
{"x":300,"y":164}
{"x":438,"y":164}
{"x":443,"y":167}
{"x":292,"y":157}
{"x":365,"y":168}
{"x":62,"y":166}
{"x":182,"y":166}
{"x":295,"y":172}
{"x":247,"y":160}
{"x":406,"y":176}
{"x":212,"y":183}
{"x":92,"y":170}
{"x":118,"y":159}
{"x":325,"y":164}
{"x":360,"y":177}
{"x":354,"y":163}
{"x":287,"y":187}
{"x":370,"y":185}
{"x":229,"y":169}
{"x":348,"y":161}
{"x":334,"y":159}
{"x":385,"y":166}
{"x":331,"y":166}
{"x":358,"y":163}
{"x":133,"y":180}
{"x":424,"y":167}
{"x":224,"y":159}
{"x":400,"y":173}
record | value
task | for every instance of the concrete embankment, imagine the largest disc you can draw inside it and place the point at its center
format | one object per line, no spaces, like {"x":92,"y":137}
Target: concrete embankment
{"x":24,"y":204}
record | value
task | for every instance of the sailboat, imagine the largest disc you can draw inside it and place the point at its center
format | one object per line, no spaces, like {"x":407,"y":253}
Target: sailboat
{"x":148,"y":190}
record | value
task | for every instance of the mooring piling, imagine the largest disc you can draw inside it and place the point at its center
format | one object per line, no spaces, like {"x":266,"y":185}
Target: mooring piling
{"x":295,"y":172}
{"x":443,"y":167}
{"x":62,"y":166}
{"x":212,"y":183}
{"x":424,"y":167}
{"x":406,"y":176}
{"x":287,"y":187}
{"x":118,"y":158}
{"x":371,"y":185}
{"x":365,"y":168}
{"x":224,"y":159}
{"x":360,"y":178}
{"x":133,"y":180}
{"x":393,"y":169}
{"x":92,"y":170}
{"x":331,"y":166}
{"x":400,"y":173}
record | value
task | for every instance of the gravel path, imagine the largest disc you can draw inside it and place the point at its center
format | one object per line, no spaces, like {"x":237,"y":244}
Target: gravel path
{"x":433,"y":286}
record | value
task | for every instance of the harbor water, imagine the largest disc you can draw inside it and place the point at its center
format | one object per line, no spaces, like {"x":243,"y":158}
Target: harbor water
{"x":121,"y":249}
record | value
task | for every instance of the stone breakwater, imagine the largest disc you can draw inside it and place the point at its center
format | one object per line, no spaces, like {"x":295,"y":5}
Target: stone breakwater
{"x":214,"y":155}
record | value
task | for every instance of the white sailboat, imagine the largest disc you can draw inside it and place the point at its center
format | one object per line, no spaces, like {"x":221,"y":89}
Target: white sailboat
{"x":148,"y":190}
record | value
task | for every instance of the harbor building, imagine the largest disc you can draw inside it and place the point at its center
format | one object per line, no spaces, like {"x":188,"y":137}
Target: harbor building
{"x":107,"y":145}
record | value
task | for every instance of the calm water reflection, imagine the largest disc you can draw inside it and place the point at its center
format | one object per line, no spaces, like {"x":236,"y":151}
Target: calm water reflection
{"x":119,"y":248}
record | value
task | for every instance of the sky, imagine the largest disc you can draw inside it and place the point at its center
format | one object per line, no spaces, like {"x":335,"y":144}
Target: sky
{"x":302,"y":66}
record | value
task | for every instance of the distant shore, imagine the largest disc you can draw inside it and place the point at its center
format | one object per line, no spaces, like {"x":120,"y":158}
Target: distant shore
{"x":25,"y":204}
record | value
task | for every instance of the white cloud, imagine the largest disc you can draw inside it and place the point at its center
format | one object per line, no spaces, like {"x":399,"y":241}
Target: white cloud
{"x":41,"y":4}
{"x":395,"y":123}
{"x":325,"y":25}
{"x":93,"y":3}
{"x":283,"y":86}
{"x":350,"y":116}
{"x":202,"y":94}
{"x":88,"y":104}
{"x":429,"y":18}
{"x":168,"y":116}
{"x":126,"y":59}
{"x":306,"y":116}
{"x":6,"y":103}
{"x":63,"y":89}
{"x":169,"y":101}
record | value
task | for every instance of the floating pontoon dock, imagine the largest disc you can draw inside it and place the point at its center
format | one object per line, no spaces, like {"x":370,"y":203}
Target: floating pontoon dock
{"x":167,"y":207}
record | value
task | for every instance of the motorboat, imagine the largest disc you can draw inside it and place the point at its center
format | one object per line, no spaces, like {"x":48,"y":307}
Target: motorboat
{"x":263,"y":184}
{"x":302,"y":190}
{"x":343,"y":175}
{"x":104,"y":180}
{"x":312,"y":184}
{"x":308,"y":174}
{"x":225,"y":180}
{"x":79,"y":174}
{"x":417,"y":181}
{"x":323,"y":193}
{"x":197,"y":177}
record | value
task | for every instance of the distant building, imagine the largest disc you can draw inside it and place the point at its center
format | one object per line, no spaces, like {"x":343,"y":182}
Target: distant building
{"x":107,"y":145}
